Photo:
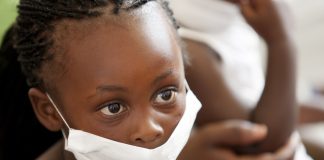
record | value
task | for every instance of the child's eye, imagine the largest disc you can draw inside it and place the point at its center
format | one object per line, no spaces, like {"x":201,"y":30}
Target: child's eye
{"x":113,"y":109}
{"x":166,"y":97}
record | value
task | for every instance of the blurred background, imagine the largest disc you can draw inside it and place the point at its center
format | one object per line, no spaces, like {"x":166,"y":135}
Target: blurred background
{"x":309,"y":38}
{"x":7,"y":14}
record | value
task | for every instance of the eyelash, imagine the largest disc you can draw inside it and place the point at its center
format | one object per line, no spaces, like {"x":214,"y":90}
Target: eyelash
{"x":174,"y":92}
{"x":124,"y":108}
{"x":113,"y":106}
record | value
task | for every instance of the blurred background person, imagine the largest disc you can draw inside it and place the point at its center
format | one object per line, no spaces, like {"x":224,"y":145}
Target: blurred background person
{"x":202,"y":20}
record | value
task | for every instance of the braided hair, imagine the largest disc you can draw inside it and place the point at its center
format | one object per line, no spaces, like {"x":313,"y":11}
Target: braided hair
{"x":19,"y":127}
{"x":36,"y":21}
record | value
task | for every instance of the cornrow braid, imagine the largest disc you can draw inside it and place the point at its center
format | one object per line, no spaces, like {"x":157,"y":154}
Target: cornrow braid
{"x":34,"y":27}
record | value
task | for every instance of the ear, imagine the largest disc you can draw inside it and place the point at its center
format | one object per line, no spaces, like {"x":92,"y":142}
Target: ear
{"x":44,"y":110}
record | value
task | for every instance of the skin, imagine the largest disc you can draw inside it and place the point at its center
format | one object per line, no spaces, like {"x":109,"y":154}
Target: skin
{"x":310,"y":114}
{"x":280,"y":102}
{"x":133,"y":73}
{"x":153,"y":65}
{"x":213,"y":141}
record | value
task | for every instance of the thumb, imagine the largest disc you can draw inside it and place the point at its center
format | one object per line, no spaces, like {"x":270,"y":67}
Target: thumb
{"x":233,"y":133}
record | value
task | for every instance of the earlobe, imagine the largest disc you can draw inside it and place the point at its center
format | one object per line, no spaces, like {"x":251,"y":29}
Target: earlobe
{"x":44,"y":110}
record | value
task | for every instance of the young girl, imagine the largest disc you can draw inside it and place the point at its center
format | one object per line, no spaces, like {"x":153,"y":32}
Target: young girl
{"x":110,"y":76}
{"x":106,"y":73}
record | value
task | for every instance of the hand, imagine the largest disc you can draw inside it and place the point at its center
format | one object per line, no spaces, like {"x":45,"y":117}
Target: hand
{"x":214,"y":141}
{"x":265,"y":18}
{"x":284,"y":153}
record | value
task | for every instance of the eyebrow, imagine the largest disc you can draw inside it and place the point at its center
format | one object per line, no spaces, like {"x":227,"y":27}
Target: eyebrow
{"x":110,"y":88}
{"x":162,"y":76}
{"x":115,"y":88}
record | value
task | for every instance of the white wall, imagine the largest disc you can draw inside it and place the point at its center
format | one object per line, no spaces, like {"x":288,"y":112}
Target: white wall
{"x":309,"y":16}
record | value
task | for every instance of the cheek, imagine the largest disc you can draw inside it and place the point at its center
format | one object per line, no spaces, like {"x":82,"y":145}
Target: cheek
{"x":119,"y":132}
{"x":171,"y":121}
{"x":122,"y":131}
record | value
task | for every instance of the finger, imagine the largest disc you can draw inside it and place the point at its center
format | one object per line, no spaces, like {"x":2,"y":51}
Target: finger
{"x":233,"y":133}
{"x":267,"y":156}
{"x":247,"y":8}
{"x":284,"y":153}
{"x":289,"y":149}
{"x":261,"y":5}
{"x":233,"y":1}
{"x":220,"y":153}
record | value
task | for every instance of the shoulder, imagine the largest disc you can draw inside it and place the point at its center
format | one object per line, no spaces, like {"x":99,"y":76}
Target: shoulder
{"x":55,"y":152}
{"x":200,"y":57}
{"x":198,"y":49}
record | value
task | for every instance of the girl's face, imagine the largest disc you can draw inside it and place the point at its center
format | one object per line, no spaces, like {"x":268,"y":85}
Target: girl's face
{"x":123,"y":80}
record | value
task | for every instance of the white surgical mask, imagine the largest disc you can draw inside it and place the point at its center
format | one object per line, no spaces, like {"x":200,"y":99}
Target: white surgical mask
{"x":87,"y":146}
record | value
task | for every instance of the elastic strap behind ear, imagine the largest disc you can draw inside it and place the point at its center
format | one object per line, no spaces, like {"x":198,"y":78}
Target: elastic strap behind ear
{"x":58,"y":111}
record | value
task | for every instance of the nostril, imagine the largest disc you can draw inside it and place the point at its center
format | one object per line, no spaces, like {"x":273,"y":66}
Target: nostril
{"x":138,"y":140}
{"x":148,"y":138}
{"x":147,"y":134}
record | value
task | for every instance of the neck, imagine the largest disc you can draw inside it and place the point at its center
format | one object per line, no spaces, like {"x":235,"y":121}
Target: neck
{"x":66,"y":155}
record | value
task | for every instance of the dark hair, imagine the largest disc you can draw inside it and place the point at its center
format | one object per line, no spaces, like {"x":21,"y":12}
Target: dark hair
{"x":35,"y":25}
{"x":21,"y":135}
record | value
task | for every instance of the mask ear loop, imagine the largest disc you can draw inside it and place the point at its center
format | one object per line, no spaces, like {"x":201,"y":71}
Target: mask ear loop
{"x":187,"y":86}
{"x":58,"y":111}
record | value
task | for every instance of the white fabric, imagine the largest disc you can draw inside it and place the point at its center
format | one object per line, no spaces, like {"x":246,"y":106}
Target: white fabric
{"x":238,"y":45}
{"x":221,"y":26}
{"x":301,"y":153}
{"x":241,"y":66}
{"x":87,"y":146}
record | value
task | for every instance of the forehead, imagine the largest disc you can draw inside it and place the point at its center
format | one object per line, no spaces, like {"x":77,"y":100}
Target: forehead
{"x":149,"y":18}
{"x":141,"y":40}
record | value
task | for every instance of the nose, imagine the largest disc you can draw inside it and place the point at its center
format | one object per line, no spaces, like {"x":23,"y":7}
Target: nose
{"x":148,"y":133}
